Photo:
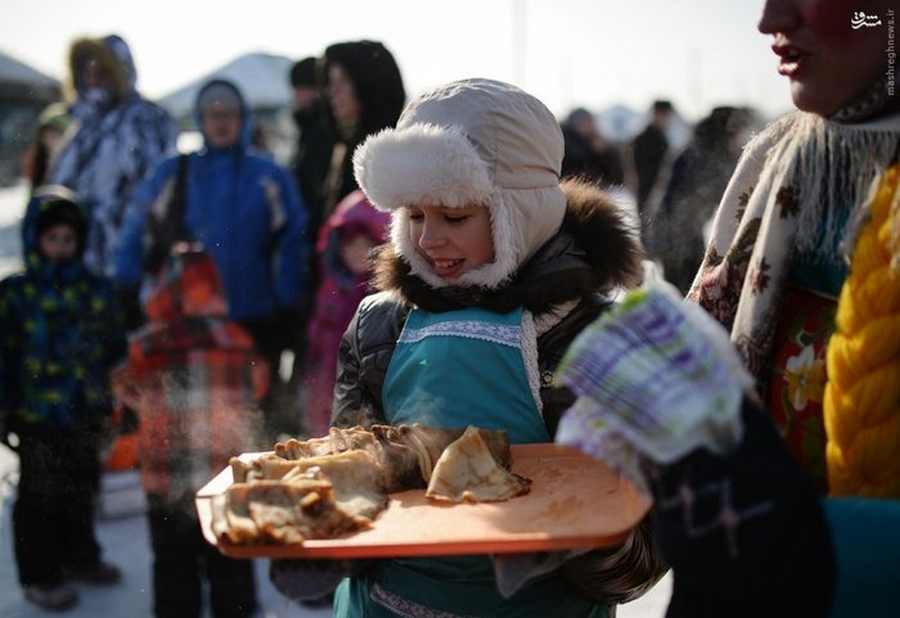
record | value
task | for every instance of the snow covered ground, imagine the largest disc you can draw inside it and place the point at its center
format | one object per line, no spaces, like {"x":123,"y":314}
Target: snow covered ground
{"x":125,"y":542}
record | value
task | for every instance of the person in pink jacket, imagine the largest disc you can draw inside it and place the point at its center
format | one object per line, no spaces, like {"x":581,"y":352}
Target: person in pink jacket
{"x":343,"y":248}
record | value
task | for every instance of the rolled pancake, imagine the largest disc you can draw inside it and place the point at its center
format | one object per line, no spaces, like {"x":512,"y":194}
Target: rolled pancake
{"x":468,"y":472}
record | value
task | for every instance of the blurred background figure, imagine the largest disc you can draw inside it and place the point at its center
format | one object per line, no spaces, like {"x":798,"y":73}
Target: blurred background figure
{"x":588,"y":155}
{"x":118,"y":139}
{"x":365,"y":94}
{"x":52,"y":125}
{"x":675,"y":228}
{"x":315,"y":139}
{"x":244,"y":209}
{"x":310,"y":162}
{"x":649,"y":150}
{"x":62,"y":333}
{"x":259,"y":140}
{"x":25,"y":92}
{"x":346,"y":239}
{"x":195,"y":379}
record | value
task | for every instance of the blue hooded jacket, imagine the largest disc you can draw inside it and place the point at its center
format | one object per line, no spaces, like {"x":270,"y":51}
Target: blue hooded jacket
{"x":243,"y":208}
{"x":62,"y":332}
{"x":120,"y":138}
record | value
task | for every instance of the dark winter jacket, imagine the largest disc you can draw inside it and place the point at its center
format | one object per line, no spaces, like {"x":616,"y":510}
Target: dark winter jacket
{"x":590,"y":255}
{"x":650,"y":148}
{"x":697,"y":181}
{"x":311,"y":161}
{"x":246,"y":212}
{"x":118,"y":139}
{"x":584,"y":160}
{"x":379,"y":89}
{"x":675,"y":229}
{"x":62,"y":333}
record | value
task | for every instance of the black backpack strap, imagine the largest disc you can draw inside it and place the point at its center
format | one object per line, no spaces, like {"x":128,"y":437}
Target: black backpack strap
{"x":171,"y":228}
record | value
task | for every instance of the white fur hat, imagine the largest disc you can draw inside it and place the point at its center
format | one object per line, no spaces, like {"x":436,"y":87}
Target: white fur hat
{"x":475,"y":141}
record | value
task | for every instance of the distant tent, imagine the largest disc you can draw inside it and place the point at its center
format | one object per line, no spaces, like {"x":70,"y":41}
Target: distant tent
{"x":263,"y":78}
{"x":20,"y":82}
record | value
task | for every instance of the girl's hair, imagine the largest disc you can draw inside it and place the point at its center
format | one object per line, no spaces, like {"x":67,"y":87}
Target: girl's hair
{"x":376,"y":82}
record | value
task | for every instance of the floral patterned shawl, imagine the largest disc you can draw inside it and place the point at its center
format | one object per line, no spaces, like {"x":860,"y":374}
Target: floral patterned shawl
{"x":792,"y":178}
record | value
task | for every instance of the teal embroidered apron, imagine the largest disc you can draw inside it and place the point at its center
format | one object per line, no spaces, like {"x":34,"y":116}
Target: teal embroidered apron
{"x":456,"y":369}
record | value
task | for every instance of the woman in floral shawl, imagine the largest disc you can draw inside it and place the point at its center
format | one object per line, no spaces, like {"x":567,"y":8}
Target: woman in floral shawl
{"x":788,"y":225}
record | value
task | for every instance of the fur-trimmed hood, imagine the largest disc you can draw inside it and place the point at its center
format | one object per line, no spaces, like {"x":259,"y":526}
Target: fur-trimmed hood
{"x":113,"y":54}
{"x":594,"y":251}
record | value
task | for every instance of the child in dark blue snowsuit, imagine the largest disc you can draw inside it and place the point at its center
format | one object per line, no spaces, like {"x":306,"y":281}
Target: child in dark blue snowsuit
{"x":62,"y":333}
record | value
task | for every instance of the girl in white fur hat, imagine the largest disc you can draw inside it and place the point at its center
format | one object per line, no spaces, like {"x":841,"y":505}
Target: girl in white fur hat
{"x":492,"y":269}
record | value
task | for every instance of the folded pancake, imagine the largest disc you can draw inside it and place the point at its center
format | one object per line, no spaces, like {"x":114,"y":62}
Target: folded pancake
{"x":281,"y":512}
{"x":355,"y":476}
{"x":406,"y":453}
{"x":467,"y":471}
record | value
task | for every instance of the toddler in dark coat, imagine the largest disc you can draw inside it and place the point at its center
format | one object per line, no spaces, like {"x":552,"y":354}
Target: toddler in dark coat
{"x":61,"y":335}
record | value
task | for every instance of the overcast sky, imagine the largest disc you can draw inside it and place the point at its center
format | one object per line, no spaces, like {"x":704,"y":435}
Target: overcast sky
{"x":593,"y":53}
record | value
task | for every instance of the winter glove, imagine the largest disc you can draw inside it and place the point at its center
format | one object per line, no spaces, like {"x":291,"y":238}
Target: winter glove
{"x":610,"y":575}
{"x":618,"y":574}
{"x":742,"y":529}
{"x":302,"y":580}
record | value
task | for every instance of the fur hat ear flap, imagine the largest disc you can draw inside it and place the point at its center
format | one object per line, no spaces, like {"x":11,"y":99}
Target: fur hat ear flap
{"x":422,"y":164}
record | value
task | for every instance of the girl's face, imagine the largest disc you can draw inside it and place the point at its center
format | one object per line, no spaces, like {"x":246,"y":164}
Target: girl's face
{"x":344,"y":104}
{"x":827,"y":62}
{"x":58,"y":243}
{"x":452,"y":240}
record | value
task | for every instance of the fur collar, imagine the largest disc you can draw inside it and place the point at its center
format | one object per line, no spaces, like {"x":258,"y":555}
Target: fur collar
{"x":594,"y":251}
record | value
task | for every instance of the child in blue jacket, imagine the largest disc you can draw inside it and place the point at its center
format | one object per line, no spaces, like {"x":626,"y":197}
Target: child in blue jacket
{"x":62,"y":333}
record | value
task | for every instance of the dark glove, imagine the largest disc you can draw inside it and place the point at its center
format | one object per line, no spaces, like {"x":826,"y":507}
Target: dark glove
{"x":744,"y":528}
{"x":301,"y":580}
{"x":618,"y":574}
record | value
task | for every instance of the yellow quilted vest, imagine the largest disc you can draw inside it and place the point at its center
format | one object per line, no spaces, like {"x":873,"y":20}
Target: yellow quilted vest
{"x":862,"y":397}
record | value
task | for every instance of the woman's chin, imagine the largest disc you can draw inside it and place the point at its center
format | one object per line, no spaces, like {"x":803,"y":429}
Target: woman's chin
{"x":808,"y":98}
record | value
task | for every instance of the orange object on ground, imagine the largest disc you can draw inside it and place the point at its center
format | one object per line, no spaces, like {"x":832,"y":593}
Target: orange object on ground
{"x":124,"y":454}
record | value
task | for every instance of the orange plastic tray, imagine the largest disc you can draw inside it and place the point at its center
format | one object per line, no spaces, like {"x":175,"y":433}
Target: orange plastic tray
{"x":575,"y":502}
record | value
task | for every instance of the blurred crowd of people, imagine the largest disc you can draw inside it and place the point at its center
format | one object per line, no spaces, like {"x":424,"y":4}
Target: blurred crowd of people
{"x":207,"y":296}
{"x":214,"y":264}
